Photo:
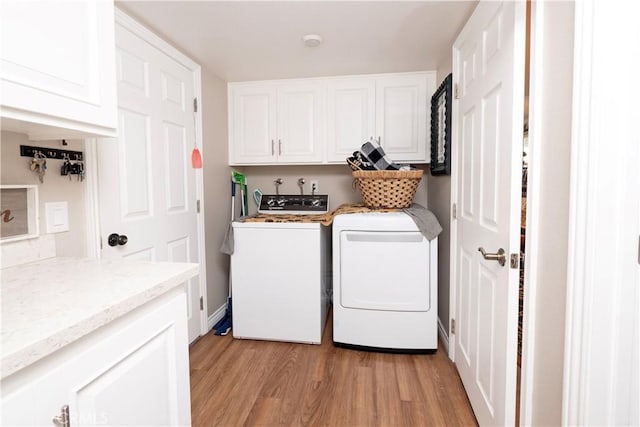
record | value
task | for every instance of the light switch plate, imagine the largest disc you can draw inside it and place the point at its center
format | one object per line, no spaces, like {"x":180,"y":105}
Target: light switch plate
{"x":57,"y":217}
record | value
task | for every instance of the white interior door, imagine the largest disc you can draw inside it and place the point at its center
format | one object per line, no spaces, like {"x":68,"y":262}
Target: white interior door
{"x":147,"y":188}
{"x":489,"y":71}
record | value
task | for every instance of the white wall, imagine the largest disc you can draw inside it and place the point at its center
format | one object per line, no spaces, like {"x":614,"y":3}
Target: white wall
{"x":216,"y":186}
{"x":15,"y":170}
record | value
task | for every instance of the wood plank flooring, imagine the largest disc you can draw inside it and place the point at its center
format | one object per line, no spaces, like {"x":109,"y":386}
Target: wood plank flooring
{"x":245,"y":382}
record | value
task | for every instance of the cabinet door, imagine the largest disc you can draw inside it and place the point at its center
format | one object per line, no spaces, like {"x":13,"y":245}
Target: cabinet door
{"x":57,"y":68}
{"x":252,"y":124}
{"x":402,"y":115}
{"x":301,"y":122}
{"x":134,"y":374}
{"x":351,"y":116}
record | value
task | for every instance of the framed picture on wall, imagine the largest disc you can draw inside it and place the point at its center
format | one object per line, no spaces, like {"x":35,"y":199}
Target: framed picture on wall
{"x":441,"y":129}
{"x":18,"y":212}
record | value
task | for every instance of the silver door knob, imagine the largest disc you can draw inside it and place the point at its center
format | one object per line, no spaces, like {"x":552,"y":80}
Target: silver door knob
{"x":499,"y":256}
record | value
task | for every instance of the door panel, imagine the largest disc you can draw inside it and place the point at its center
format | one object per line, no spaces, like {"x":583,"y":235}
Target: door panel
{"x":253,"y":128}
{"x":489,"y":69}
{"x":465,"y":312}
{"x":147,"y":184}
{"x":400,"y":115}
{"x":468,"y":162}
{"x":351,"y":121}
{"x":300,"y":122}
{"x":146,"y":254}
{"x":489,"y":146}
{"x":177,"y":178}
{"x":134,"y":148}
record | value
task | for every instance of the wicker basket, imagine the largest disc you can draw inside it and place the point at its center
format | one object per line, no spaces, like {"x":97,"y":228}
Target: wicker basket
{"x":387,"y":189}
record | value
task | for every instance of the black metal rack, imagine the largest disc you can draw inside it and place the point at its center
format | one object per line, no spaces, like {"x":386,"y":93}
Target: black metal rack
{"x":51,"y":153}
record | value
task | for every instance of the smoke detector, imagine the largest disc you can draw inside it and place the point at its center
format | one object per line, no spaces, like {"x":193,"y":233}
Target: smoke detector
{"x":312,"y":40}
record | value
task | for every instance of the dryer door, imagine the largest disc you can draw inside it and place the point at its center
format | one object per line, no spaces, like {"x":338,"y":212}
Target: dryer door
{"x":384,"y":270}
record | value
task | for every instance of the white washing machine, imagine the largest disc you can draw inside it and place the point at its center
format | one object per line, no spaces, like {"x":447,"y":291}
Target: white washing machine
{"x":385,"y":283}
{"x":281,"y":276}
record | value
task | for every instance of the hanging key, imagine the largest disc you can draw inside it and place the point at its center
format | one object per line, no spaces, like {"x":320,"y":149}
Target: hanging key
{"x":39,"y":165}
{"x":41,"y":169}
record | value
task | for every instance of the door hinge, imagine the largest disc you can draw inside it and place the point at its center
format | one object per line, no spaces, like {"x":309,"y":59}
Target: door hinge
{"x":195,"y":105}
{"x":454,"y":211}
{"x":456,"y":95}
{"x":453,"y":326}
{"x":201,"y":304}
{"x":197,"y":206}
{"x":514,"y":260}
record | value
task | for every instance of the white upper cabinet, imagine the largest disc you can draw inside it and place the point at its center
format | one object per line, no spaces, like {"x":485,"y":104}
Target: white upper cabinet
{"x":392,"y":108}
{"x":279,"y":122}
{"x":284,"y":121}
{"x":252,"y":124}
{"x":351,"y":106}
{"x":402,"y":115}
{"x":57,"y":68}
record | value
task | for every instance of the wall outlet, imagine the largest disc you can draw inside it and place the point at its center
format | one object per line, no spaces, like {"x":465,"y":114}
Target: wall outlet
{"x":313,"y":186}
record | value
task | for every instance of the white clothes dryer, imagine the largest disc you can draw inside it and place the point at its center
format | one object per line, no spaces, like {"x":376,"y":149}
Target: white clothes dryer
{"x":385,"y":284}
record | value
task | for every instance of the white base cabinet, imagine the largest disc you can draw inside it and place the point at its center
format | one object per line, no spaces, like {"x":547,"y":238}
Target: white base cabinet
{"x":57,"y":68}
{"x":134,"y":371}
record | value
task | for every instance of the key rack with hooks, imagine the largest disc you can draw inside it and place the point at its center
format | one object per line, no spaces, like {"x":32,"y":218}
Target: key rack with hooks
{"x":51,"y":153}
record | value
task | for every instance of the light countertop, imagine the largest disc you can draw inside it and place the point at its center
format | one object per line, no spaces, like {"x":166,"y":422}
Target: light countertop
{"x":49,"y":304}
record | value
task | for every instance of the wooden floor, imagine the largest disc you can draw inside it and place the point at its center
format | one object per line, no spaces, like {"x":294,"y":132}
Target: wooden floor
{"x":244,"y":382}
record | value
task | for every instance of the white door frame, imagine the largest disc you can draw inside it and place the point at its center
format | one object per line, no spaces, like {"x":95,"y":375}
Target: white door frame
{"x":92,"y":204}
{"x":603,"y":271}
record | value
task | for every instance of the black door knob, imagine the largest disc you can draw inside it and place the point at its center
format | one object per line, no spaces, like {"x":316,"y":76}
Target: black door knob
{"x":115,"y":239}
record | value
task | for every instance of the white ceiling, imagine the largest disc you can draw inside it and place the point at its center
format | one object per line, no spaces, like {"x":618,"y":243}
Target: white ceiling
{"x":241,"y":40}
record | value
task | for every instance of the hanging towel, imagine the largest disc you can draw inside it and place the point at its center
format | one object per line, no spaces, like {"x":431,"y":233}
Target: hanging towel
{"x":426,"y":221}
{"x":227,"y":241}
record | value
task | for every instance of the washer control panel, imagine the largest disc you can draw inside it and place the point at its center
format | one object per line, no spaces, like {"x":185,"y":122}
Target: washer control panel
{"x":294,"y":204}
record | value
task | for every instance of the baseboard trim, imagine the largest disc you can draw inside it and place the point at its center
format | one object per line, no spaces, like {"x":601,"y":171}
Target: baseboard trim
{"x":443,"y":336}
{"x":217,"y":315}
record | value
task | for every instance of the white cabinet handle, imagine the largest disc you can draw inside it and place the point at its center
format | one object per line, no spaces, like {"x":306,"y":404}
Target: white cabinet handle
{"x":62,"y":420}
{"x":279,"y":147}
{"x":273,"y":150}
